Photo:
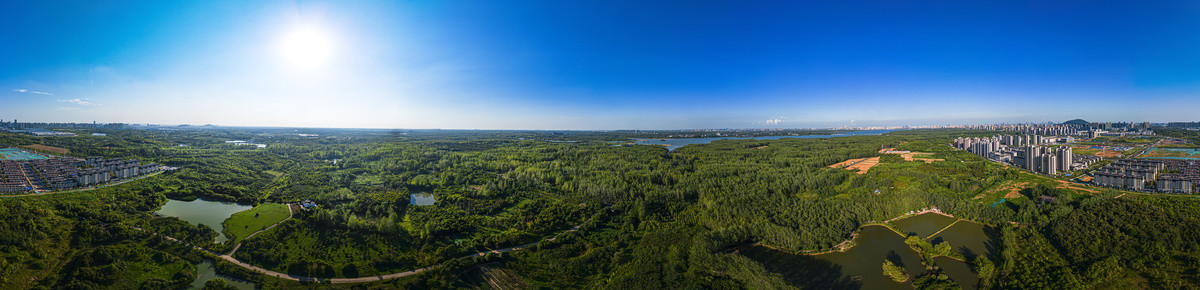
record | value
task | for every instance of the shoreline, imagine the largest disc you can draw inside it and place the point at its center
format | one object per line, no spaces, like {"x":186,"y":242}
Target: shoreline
{"x":849,"y":243}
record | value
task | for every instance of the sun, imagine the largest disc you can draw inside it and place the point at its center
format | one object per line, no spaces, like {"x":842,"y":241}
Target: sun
{"x":306,"y":47}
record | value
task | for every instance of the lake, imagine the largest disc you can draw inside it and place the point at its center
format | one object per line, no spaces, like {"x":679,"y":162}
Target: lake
{"x":671,"y":144}
{"x":421,"y":199}
{"x":860,"y":267}
{"x":958,"y":271}
{"x":205,"y":272}
{"x":969,"y":238}
{"x":923,"y":225}
{"x":209,"y":213}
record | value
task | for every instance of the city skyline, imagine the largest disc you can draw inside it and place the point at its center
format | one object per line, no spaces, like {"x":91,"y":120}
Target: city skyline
{"x":588,"y":66}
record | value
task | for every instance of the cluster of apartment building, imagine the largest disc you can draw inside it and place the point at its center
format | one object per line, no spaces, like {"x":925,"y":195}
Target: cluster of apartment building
{"x":1048,"y":160}
{"x":38,"y":174}
{"x":12,"y":176}
{"x":63,"y":173}
{"x":103,"y":169}
{"x":1025,"y":151}
{"x":55,"y":173}
{"x":1091,"y":130}
{"x":1034,"y":129}
{"x":1128,"y":174}
{"x":1179,"y":176}
{"x":1174,"y":176}
{"x":989,"y":145}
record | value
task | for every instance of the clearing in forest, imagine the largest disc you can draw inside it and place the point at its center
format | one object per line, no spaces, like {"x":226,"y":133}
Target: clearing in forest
{"x":1069,"y":185}
{"x":1013,"y":189}
{"x":909,"y":155}
{"x":859,"y":164}
{"x":846,"y":163}
{"x":865,"y":165}
{"x":51,"y":149}
{"x":244,"y":223}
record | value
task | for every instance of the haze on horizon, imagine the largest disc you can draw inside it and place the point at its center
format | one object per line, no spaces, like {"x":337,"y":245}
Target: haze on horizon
{"x":597,"y":64}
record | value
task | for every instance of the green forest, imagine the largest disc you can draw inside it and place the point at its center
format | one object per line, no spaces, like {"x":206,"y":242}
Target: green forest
{"x":593,"y":209}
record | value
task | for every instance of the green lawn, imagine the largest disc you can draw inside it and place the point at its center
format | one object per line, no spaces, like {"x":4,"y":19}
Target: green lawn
{"x":244,"y":223}
{"x":1084,"y":151}
{"x":1179,"y":146}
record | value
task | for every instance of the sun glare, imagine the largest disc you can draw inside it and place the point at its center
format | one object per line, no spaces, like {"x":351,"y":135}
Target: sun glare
{"x":306,"y":47}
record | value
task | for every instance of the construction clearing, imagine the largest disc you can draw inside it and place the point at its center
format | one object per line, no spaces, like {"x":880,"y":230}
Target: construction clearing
{"x":45,"y":148}
{"x":911,"y":156}
{"x":862,"y":165}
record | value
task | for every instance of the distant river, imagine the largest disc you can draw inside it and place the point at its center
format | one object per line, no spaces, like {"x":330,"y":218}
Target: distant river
{"x":671,"y":144}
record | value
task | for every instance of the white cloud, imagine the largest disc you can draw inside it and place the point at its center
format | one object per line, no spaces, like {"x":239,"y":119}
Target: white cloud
{"x":772,"y":121}
{"x":32,"y":92}
{"x":79,"y":101}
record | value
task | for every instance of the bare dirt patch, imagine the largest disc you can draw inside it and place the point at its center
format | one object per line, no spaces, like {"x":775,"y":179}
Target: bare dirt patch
{"x":1109,"y":153}
{"x":1014,"y":189}
{"x":846,"y":163}
{"x":865,"y":165}
{"x":862,"y":165}
{"x":909,"y":156}
{"x":53,"y":149}
{"x":1069,"y":185}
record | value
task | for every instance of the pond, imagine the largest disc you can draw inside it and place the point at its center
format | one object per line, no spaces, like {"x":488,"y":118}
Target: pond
{"x":969,"y":238}
{"x":205,"y":272}
{"x":923,"y":225}
{"x":958,"y":271}
{"x":671,"y":144}
{"x":422,"y":199}
{"x":209,"y":213}
{"x":860,"y":267}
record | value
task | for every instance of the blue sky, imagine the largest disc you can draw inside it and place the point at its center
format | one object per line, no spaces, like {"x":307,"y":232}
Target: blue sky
{"x":598,"y":64}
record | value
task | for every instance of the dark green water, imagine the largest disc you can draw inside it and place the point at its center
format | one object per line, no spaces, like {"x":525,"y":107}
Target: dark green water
{"x":205,"y":272}
{"x":861,"y":267}
{"x":958,"y":271}
{"x":969,"y":238}
{"x":923,"y":224}
{"x":209,"y":213}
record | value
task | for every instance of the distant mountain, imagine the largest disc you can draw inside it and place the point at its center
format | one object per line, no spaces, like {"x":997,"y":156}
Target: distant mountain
{"x":1080,"y":122}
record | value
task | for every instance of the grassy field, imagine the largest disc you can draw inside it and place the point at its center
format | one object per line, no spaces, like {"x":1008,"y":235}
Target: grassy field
{"x":1178,"y":145}
{"x":1084,"y":150}
{"x":244,"y":223}
{"x":1137,"y":140}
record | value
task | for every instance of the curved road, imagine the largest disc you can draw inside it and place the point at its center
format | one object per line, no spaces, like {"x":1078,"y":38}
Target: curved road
{"x":240,"y":241}
{"x":260,"y":270}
